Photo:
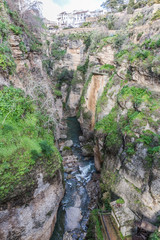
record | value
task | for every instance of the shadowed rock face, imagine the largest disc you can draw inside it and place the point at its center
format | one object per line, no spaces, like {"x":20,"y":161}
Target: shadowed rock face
{"x":35,"y":220}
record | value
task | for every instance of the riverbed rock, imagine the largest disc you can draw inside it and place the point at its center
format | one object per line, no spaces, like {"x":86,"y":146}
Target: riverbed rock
{"x":67,"y":236}
{"x":63,"y":136}
{"x":66,"y":152}
{"x":67,"y":170}
{"x":82,"y":139}
{"x":68,"y":143}
{"x":73,"y":218}
{"x":87,"y":150}
{"x":69,"y":176}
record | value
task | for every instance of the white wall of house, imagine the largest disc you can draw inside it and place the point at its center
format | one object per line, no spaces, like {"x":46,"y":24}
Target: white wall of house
{"x":76,"y":18}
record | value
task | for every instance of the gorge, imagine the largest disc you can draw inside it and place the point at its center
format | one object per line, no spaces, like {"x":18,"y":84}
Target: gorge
{"x":106,"y":75}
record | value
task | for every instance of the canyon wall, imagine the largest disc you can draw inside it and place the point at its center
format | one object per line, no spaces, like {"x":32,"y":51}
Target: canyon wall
{"x":119,"y":110}
{"x":29,"y":209}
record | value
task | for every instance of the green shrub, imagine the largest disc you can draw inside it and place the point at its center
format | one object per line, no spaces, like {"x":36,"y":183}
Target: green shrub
{"x":83,"y":68}
{"x":35,"y":47}
{"x":35,"y":155}
{"x":107,"y":205}
{"x":108,"y":67}
{"x":139,"y":36}
{"x":120,"y":201}
{"x":23,"y":47}
{"x":130,"y":149}
{"x":86,"y":24}
{"x":121,"y":53}
{"x":156,"y":15}
{"x":137,"y":95}
{"x":3,"y":30}
{"x":57,"y":93}
{"x":17,"y":30}
{"x":48,"y":65}
{"x":141,"y":54}
{"x":110,"y":22}
{"x":7,"y":64}
{"x":109,"y":126}
{"x":155,"y":236}
{"x":25,"y":145}
{"x":58,"y":54}
{"x":87,"y":41}
{"x":119,"y":40}
{"x":47,"y":150}
{"x":56,"y":51}
{"x":140,"y":4}
{"x":151,"y":44}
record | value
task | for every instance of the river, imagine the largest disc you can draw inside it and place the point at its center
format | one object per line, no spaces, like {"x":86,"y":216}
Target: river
{"x":73,"y":213}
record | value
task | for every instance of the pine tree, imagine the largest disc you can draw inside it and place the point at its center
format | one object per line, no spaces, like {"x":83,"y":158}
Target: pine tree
{"x":112,"y":4}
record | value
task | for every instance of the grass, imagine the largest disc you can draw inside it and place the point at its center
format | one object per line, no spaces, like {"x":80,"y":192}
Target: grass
{"x":109,"y":126}
{"x":143,"y":55}
{"x":120,"y":201}
{"x":156,"y":15}
{"x":25,"y":145}
{"x":7,"y":64}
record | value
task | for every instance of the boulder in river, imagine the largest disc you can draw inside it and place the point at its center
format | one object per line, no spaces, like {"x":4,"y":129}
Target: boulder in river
{"x":67,"y":236}
{"x":68,"y":143}
{"x":73,"y":217}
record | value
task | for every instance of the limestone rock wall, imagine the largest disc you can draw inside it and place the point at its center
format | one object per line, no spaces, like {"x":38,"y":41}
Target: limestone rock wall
{"x":35,"y":220}
{"x":118,"y":114}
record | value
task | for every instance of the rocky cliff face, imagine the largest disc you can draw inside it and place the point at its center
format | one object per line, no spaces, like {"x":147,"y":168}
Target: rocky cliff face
{"x":110,"y":80}
{"x":29,"y":214}
{"x":119,"y":106}
{"x":36,"y":219}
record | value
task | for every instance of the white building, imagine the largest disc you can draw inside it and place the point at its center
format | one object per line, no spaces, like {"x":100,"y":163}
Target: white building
{"x":79,"y":17}
{"x":76,"y":18}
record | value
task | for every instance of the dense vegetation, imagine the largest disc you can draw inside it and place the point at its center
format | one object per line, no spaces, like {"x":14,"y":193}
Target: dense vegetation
{"x":17,"y":27}
{"x":116,"y":125}
{"x":25,"y":145}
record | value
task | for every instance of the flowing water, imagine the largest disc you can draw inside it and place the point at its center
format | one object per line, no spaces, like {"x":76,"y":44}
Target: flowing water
{"x":73,"y":213}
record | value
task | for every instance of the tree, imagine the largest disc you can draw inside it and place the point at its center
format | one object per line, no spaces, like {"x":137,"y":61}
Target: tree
{"x":130,"y":6}
{"x":112,"y":4}
{"x":131,"y":3}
